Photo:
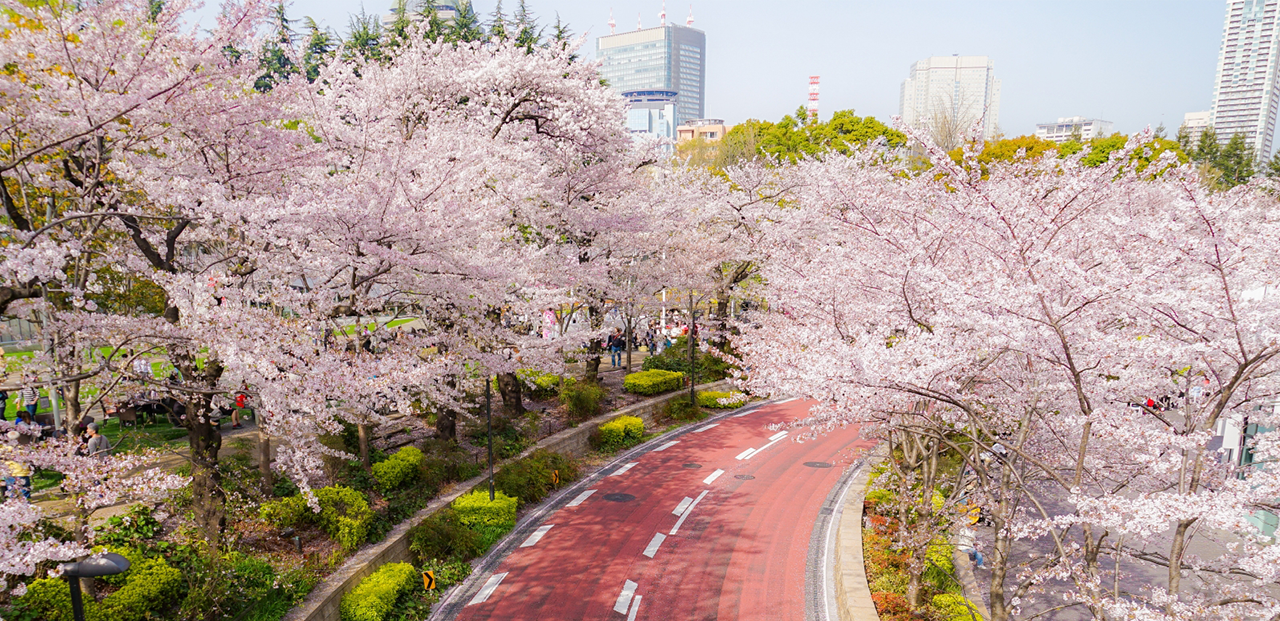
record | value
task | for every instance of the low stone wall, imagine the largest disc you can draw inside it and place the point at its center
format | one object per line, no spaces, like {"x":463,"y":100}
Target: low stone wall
{"x":323,"y":602}
{"x":853,"y":594}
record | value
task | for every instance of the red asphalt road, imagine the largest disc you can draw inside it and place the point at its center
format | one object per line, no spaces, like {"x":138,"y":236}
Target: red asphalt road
{"x":740,"y":553}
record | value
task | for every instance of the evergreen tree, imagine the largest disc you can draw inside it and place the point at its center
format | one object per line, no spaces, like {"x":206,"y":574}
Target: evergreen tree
{"x":561,"y":36}
{"x":363,"y":34}
{"x":437,"y":28}
{"x":277,"y":64}
{"x":528,"y":34}
{"x":1207,"y":147}
{"x":498,"y":24}
{"x":1184,"y":139}
{"x":1236,"y":161}
{"x":397,"y":33}
{"x":321,"y":45}
{"x":466,"y":26}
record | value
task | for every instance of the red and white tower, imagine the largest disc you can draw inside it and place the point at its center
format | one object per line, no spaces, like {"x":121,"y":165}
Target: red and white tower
{"x":689,"y":22}
{"x":662,"y":17}
{"x":613,"y":26}
{"x":813,"y":97}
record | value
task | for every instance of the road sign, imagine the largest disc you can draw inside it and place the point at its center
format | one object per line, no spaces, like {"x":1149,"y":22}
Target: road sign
{"x":555,"y":477}
{"x":429,"y":580}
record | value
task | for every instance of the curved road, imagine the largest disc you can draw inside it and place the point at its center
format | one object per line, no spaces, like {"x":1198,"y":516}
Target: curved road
{"x":713,"y":523}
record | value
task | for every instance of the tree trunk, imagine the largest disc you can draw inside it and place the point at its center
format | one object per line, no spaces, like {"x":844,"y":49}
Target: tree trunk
{"x":208,"y":498}
{"x":363,"y":431}
{"x":915,"y":594}
{"x":446,"y":424}
{"x":71,"y":401}
{"x":591,"y":368}
{"x":509,"y":386}
{"x":264,"y":460}
{"x":629,"y":336}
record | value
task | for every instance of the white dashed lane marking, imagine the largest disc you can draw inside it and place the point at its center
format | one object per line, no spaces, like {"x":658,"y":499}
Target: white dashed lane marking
{"x":714,"y":475}
{"x":487,"y":589}
{"x":623,"y":469}
{"x":624,"y":598}
{"x":581,"y":497}
{"x":536,"y":536}
{"x":652,"y":548}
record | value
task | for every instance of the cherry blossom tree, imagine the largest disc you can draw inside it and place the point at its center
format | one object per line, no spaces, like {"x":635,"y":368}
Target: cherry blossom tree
{"x":1022,"y":315}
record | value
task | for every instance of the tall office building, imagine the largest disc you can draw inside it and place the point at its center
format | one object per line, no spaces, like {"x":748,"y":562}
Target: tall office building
{"x":1074,"y":128}
{"x":1195,"y":124}
{"x":1245,"y":97}
{"x":651,"y":114}
{"x":955,"y":90}
{"x":665,"y":58}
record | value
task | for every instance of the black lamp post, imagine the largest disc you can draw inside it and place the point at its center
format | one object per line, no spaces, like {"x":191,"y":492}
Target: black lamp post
{"x":488,"y":418}
{"x":108,"y":564}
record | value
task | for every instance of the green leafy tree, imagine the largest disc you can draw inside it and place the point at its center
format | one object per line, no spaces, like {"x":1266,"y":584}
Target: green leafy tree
{"x":1207,"y":148}
{"x":363,"y":37}
{"x":794,"y":137}
{"x":1236,"y":161}
{"x":397,"y":32}
{"x":528,"y":34}
{"x":277,"y":62}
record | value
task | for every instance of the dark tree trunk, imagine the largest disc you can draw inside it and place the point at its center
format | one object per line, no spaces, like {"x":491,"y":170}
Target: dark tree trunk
{"x":446,"y":424}
{"x":363,"y":431}
{"x":509,"y":386}
{"x":591,"y":368}
{"x":208,"y":498}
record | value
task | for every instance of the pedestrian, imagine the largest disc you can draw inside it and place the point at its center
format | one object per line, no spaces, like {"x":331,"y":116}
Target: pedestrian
{"x":615,"y":344}
{"x":98,"y":444}
{"x":4,"y":404}
{"x":17,"y":477}
{"x":967,"y":542}
{"x":242,"y":403}
{"x":30,"y":401}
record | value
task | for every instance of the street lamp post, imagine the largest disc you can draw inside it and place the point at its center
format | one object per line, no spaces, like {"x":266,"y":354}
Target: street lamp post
{"x":488,"y":420}
{"x":108,"y":564}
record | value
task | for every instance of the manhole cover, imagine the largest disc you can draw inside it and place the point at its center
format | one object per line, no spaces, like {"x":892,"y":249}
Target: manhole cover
{"x":619,"y":497}
{"x":692,"y":466}
{"x":817,"y":464}
{"x":743,"y":477}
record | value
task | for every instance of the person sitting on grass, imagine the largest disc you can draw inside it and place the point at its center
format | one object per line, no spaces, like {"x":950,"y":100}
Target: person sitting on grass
{"x":17,"y":476}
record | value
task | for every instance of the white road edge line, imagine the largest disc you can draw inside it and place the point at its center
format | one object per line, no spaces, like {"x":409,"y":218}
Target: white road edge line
{"x":624,"y":598}
{"x":706,"y":428}
{"x":714,"y":475}
{"x":757,"y":451}
{"x":635,"y":607}
{"x":741,"y":414}
{"x":778,"y":435}
{"x":787,"y":400}
{"x":536,"y":536}
{"x":623,"y":469}
{"x":745,"y":454}
{"x":687,"y":512}
{"x":652,"y":549}
{"x":666,"y":446}
{"x":488,"y":588}
{"x":581,"y":497}
{"x":684,"y":504}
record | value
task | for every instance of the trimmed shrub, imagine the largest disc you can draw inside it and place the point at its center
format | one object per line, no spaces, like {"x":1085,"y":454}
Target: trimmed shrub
{"x":446,"y":463}
{"x":531,"y":479}
{"x":448,"y":573}
{"x":582,"y":399}
{"x":542,"y":385}
{"x":442,"y":536}
{"x":621,"y":432}
{"x":679,"y":409}
{"x":955,"y":607}
{"x":475,"y":509}
{"x":676,"y":358}
{"x":711,"y":399}
{"x":398,"y":470}
{"x":344,"y":514}
{"x":653,"y":382}
{"x":151,"y":586}
{"x":375,"y":596}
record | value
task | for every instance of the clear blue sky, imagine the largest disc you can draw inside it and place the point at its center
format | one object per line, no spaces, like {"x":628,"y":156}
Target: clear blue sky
{"x":1133,"y":62}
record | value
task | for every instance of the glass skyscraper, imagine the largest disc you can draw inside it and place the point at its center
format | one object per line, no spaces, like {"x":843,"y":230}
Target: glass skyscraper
{"x":1246,"y":99}
{"x":666,"y":58}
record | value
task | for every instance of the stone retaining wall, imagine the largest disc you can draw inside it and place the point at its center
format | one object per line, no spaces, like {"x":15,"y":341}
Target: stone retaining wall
{"x":323,"y":602}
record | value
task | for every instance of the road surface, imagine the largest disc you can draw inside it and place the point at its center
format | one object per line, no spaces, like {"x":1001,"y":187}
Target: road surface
{"x":713,"y":523}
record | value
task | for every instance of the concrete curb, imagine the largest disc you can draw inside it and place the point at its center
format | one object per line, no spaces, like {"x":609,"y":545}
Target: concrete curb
{"x":852,"y":593}
{"x":322,"y":604}
{"x":972,"y":592}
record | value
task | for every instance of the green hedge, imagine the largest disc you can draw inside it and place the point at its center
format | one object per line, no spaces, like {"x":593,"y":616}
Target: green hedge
{"x":150,"y":587}
{"x":955,"y":607}
{"x":398,"y":470}
{"x":375,"y":596}
{"x":475,"y":509}
{"x":711,"y":399}
{"x":621,"y":432}
{"x":531,"y":479}
{"x":653,"y":382}
{"x":344,"y":514}
{"x":582,"y":399}
{"x":541,"y":384}
{"x":442,"y":536}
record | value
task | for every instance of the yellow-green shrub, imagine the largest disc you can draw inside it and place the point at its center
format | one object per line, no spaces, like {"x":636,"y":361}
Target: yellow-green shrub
{"x":955,"y":607}
{"x":344,"y":514}
{"x":475,"y":509}
{"x":374,"y":597}
{"x":621,"y":432}
{"x":653,"y":382}
{"x":401,"y":468}
{"x":150,"y":587}
{"x":711,"y":399}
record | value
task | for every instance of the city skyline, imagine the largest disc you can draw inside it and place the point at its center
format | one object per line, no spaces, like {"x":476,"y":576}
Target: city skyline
{"x":1156,"y":60}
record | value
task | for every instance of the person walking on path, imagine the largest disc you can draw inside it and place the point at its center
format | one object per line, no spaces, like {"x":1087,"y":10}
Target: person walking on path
{"x":616,"y":343}
{"x":98,"y":444}
{"x":30,"y":401}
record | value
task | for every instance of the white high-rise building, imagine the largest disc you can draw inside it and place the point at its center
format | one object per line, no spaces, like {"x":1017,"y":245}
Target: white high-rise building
{"x":668,"y":57}
{"x":1195,"y":123}
{"x":952,"y":90}
{"x":1074,"y":128}
{"x":1245,"y":97}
